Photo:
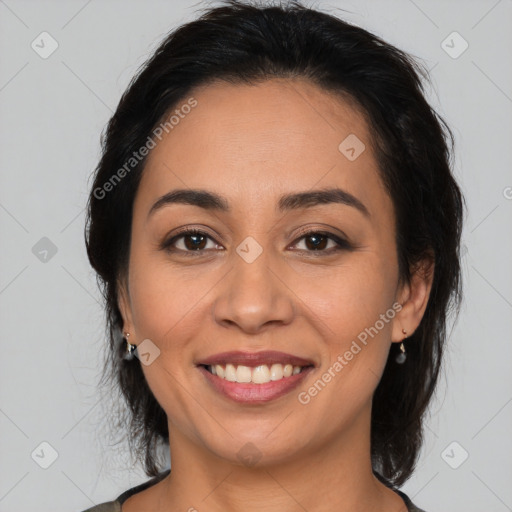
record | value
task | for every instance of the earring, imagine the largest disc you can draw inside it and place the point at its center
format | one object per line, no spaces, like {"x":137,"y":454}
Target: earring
{"x":129,"y":347}
{"x":401,"y":357}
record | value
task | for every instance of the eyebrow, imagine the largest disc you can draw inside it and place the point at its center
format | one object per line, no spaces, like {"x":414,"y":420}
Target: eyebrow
{"x":212,"y":201}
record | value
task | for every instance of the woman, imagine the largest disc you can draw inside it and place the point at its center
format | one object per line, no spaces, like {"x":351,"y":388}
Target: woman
{"x":276,"y":229}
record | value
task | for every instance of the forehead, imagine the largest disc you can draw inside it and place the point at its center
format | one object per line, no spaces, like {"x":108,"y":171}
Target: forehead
{"x":251,"y":143}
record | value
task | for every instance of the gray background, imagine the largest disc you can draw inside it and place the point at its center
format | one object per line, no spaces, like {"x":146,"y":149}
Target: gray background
{"x":52,"y":112}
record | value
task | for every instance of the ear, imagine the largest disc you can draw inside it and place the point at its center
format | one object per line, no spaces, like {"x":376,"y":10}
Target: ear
{"x":124,"y":304}
{"x":413,"y":297}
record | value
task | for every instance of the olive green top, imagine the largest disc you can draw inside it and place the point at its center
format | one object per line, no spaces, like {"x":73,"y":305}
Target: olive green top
{"x":115,"y":506}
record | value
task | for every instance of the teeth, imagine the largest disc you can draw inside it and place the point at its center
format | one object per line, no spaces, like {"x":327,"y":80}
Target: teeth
{"x":230,"y":373}
{"x":276,"y":372}
{"x":257,"y":375}
{"x":243,"y":374}
{"x":260,"y":374}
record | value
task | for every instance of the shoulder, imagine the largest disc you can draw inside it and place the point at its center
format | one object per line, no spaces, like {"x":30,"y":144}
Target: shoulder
{"x":414,"y":508}
{"x":411,"y":507}
{"x":108,"y":506}
{"x":115,"y":506}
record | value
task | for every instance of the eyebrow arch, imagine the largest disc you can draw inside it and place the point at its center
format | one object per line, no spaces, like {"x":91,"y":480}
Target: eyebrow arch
{"x":212,"y":201}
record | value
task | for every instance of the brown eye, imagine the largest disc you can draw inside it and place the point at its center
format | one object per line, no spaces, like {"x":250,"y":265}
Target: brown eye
{"x":193,"y":241}
{"x":318,"y":241}
{"x":196,"y":241}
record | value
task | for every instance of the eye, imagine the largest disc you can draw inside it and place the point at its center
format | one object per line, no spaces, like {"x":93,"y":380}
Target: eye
{"x":194,"y":240}
{"x":317,"y":241}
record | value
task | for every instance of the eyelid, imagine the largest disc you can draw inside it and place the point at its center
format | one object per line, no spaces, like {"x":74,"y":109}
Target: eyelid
{"x":341,"y":241}
{"x":321,"y":231}
{"x":167,"y":243}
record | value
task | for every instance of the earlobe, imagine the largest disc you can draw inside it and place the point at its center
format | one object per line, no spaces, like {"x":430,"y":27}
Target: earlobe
{"x":124,"y":306}
{"x":414,"y":297}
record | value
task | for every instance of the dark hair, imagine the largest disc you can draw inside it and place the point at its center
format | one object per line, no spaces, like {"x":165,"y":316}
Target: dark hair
{"x":244,"y":44}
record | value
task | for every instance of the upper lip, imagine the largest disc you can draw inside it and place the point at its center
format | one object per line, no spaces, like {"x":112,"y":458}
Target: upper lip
{"x":253,"y":359}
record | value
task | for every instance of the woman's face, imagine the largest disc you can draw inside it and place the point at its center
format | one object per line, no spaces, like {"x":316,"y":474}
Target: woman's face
{"x":253,"y":282}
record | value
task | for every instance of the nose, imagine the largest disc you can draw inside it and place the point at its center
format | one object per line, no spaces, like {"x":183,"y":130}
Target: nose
{"x":253,"y":296}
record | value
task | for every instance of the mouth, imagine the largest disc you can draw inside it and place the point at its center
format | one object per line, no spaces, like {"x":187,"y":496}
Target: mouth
{"x":254,"y":377}
{"x":261,"y":374}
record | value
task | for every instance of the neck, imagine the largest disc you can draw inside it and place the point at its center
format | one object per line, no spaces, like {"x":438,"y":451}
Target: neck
{"x":334,"y":476}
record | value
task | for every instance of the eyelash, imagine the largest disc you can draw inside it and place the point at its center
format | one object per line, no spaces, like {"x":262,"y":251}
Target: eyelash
{"x":341,"y":243}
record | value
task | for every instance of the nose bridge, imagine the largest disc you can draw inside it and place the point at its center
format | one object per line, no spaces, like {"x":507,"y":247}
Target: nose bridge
{"x":253,"y":294}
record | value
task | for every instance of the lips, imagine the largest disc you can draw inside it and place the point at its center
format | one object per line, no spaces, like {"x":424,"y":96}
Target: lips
{"x":226,"y":374}
{"x":252,"y":359}
{"x":251,"y":393}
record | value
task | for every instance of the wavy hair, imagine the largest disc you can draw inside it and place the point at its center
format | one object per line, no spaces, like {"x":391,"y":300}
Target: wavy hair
{"x":244,"y":43}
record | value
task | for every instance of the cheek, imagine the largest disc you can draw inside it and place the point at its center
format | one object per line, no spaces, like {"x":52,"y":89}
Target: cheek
{"x":354,"y":308}
{"x":167,"y":306}
{"x":164,"y":299}
{"x":348,"y":297}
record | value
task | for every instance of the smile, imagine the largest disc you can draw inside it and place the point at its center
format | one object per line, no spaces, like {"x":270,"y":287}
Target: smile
{"x":255,"y":393}
{"x":261,"y":374}
{"x":254,"y":377}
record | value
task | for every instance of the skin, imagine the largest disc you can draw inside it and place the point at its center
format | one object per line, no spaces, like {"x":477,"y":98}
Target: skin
{"x":251,"y":144}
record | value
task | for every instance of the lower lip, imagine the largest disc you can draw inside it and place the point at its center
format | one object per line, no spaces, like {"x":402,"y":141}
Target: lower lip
{"x":248,"y":392}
